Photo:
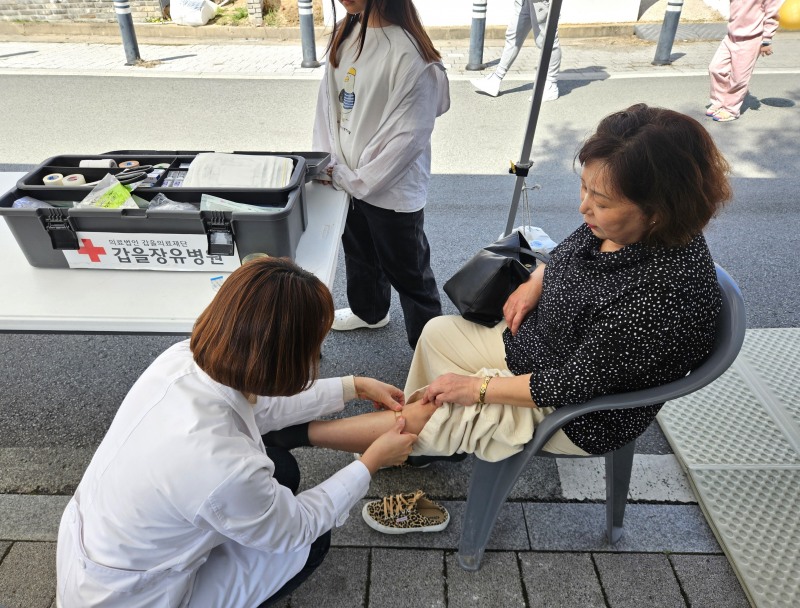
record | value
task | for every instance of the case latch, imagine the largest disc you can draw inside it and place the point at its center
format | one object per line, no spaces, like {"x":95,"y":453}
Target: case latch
{"x":219,"y":232}
{"x":59,"y":227}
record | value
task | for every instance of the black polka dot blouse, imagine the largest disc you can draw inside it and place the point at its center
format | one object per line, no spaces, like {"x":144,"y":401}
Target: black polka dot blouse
{"x":614,"y":322}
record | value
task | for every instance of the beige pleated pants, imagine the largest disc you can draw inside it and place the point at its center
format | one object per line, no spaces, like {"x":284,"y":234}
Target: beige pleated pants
{"x":492,"y":431}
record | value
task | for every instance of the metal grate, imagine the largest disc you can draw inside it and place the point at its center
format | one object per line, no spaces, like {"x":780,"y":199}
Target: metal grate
{"x":739,"y":441}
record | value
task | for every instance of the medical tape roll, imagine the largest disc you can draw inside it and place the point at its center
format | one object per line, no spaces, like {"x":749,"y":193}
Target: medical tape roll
{"x":129,"y":163}
{"x":76,"y":179}
{"x":105,"y":163}
{"x":54,"y":179}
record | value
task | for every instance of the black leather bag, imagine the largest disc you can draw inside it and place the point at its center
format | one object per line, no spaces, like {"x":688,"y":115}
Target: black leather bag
{"x":481,"y":287}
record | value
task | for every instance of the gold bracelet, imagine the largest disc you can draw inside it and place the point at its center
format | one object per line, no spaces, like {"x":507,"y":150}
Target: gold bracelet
{"x":484,"y":386}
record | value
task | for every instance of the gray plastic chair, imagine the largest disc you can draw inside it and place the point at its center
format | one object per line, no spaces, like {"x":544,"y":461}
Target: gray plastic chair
{"x":491,"y":482}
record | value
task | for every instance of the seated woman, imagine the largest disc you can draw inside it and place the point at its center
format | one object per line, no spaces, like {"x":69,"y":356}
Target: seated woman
{"x":181,"y":504}
{"x":628,"y":301}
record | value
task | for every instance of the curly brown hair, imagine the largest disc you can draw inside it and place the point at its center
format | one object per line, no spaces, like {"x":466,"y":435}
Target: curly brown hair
{"x":667,"y":164}
{"x":263,"y":331}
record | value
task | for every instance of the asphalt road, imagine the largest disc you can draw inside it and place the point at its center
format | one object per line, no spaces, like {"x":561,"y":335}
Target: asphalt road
{"x":61,"y":391}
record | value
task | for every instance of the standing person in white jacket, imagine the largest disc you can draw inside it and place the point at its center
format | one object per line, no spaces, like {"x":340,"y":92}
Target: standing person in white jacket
{"x":528,"y":15}
{"x":182,"y":505}
{"x":383,"y":88}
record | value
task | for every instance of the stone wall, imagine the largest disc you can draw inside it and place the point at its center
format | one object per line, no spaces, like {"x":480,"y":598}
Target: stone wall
{"x":74,"y":10}
{"x":255,"y":8}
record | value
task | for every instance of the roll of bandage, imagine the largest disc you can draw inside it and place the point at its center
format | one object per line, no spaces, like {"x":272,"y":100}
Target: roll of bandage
{"x":253,"y":256}
{"x":76,"y":179}
{"x":54,"y":179}
{"x":104,"y":163}
{"x":127,"y":164}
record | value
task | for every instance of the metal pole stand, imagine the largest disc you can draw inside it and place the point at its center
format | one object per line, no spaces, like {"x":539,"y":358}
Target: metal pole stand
{"x":477,"y":33}
{"x":304,"y":7}
{"x":522,"y":168}
{"x":667,"y":35}
{"x":123,"y":10}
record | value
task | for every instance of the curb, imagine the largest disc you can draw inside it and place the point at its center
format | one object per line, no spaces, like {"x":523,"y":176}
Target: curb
{"x":166,"y":33}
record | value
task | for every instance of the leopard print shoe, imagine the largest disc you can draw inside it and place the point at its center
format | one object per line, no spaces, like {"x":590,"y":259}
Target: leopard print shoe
{"x":404,"y":513}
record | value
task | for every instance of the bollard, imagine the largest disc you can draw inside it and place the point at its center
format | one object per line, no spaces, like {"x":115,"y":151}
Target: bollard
{"x":476,"y":35}
{"x":304,"y":8}
{"x":123,"y":10}
{"x":667,"y":35}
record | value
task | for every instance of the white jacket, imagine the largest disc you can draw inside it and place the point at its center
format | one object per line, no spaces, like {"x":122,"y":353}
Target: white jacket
{"x":178,"y":506}
{"x":394,"y":168}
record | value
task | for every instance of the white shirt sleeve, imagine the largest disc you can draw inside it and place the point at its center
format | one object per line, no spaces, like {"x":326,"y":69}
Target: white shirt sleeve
{"x":325,"y":396}
{"x":321,"y":137}
{"x":253,"y":509}
{"x":401,"y":139}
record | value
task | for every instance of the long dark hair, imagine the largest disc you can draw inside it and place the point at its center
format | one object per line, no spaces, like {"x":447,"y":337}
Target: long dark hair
{"x":396,"y":12}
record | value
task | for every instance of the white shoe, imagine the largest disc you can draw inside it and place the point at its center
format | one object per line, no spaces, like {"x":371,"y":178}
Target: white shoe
{"x":550,"y":92}
{"x":345,"y":320}
{"x":489,"y":84}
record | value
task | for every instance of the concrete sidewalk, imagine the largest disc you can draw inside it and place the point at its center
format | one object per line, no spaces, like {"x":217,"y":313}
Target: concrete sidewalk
{"x":667,"y":557}
{"x":583,"y":59}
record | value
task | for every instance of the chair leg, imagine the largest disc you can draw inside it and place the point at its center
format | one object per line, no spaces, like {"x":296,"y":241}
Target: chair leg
{"x":618,"y":479}
{"x":489,"y":486}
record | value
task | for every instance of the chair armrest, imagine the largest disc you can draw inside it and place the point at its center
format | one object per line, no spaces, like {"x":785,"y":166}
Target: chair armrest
{"x":557,"y":419}
{"x":727,"y":343}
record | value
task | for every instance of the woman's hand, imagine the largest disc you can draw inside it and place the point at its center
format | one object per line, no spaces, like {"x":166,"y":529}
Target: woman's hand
{"x":453,"y":388}
{"x":523,"y":300}
{"x":390,"y":449}
{"x":383,"y":396}
{"x":326,"y":181}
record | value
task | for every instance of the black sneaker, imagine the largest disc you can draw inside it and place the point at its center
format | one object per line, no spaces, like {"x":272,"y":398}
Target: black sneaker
{"x":420,"y":462}
{"x":403,"y":465}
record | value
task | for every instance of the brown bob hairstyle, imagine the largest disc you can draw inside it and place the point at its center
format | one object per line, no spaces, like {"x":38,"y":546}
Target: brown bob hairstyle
{"x":667,"y":164}
{"x":396,"y":12}
{"x":263,"y":331}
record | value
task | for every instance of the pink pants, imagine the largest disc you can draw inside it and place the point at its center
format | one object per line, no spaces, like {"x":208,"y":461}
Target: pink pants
{"x":730,"y":71}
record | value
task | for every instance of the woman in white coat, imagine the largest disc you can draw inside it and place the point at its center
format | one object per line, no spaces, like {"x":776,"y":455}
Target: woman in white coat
{"x":182,"y":505}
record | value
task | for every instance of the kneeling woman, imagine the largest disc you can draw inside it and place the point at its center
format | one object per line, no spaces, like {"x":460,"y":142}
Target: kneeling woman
{"x":628,"y":301}
{"x":181,"y":504}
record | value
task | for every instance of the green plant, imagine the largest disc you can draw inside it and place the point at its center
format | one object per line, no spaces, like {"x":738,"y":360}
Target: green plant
{"x":232,"y":15}
{"x":272,"y":18}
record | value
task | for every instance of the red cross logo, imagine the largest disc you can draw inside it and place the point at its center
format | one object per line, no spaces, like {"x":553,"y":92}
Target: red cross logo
{"x":89,"y":249}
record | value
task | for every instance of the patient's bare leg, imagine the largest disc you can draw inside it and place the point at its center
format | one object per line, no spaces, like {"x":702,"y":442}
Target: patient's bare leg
{"x":356,"y":433}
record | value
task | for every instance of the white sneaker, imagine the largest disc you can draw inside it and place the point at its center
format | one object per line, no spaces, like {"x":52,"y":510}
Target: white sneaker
{"x":489,"y":84}
{"x":550,"y":92}
{"x":345,"y":320}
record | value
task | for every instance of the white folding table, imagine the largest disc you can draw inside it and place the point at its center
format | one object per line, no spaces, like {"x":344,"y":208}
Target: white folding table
{"x":140,"y":301}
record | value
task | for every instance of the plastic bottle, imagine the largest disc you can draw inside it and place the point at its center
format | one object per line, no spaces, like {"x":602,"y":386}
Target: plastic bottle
{"x":537,"y":239}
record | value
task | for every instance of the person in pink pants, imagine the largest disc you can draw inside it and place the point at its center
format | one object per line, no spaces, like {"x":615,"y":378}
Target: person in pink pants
{"x":751,"y":26}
